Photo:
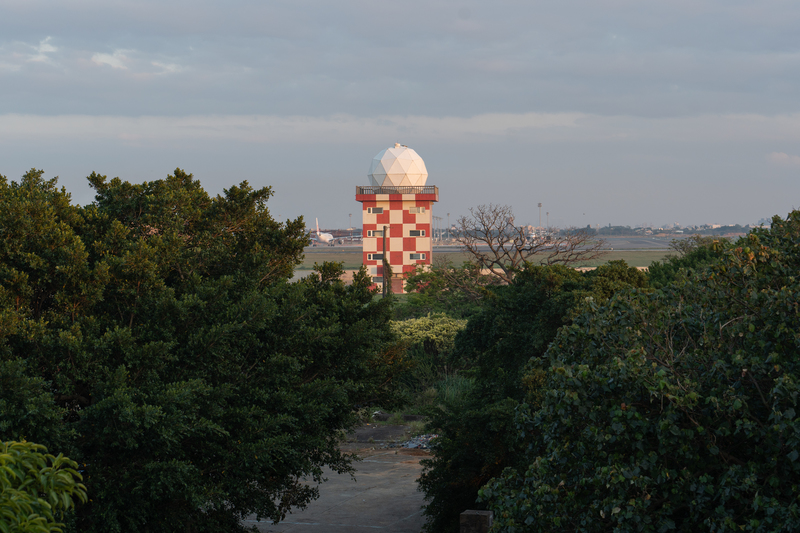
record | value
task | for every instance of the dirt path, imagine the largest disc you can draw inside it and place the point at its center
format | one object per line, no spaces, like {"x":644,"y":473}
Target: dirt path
{"x":383,"y":498}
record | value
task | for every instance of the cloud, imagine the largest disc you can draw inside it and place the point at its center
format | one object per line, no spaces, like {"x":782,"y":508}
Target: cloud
{"x":14,"y":55}
{"x":167,"y":68}
{"x":115,"y":60}
{"x":780,"y":158}
{"x":9,"y":67}
{"x":314,"y":58}
{"x":334,"y":129}
{"x":44,"y":47}
{"x":136,"y":62}
{"x":538,"y":128}
{"x":610,"y":58}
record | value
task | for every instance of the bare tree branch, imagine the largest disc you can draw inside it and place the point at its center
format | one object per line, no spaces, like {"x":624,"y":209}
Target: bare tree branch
{"x":490,"y":236}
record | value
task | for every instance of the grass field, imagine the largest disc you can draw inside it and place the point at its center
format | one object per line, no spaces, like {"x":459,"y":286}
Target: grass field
{"x":352,"y":257}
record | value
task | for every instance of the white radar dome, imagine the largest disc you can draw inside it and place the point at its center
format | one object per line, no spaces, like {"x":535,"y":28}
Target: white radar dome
{"x":398,"y":167}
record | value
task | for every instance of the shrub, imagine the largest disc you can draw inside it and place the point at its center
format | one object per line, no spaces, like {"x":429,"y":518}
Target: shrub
{"x":433,"y":335}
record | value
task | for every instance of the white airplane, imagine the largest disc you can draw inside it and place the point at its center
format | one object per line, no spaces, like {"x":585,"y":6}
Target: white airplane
{"x":324,"y":238}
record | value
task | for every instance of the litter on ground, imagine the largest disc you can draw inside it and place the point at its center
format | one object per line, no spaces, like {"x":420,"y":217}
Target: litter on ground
{"x":422,"y":442}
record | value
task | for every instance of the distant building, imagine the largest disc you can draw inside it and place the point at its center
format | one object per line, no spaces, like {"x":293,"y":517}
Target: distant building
{"x":399,"y":202}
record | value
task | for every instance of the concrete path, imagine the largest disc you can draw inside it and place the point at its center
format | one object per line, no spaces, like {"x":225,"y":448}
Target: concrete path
{"x":382,"y":499}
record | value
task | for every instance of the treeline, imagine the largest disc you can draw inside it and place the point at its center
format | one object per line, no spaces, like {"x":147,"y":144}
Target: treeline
{"x":619,"y":401}
{"x":617,"y":231}
{"x":627,"y":231}
{"x":724,"y":230}
{"x":153,"y":338}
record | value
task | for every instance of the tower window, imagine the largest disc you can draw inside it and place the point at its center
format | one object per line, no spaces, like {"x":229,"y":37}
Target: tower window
{"x":375,"y":257}
{"x":417,"y":256}
{"x":416,"y":209}
{"x":375,"y":210}
{"x":416,"y":233}
{"x":374,"y":233}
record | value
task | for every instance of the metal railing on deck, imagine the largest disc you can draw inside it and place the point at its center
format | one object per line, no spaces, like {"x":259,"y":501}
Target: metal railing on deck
{"x":426,"y":189}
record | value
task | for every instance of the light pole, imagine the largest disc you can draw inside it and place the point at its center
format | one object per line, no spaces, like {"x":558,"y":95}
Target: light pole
{"x":448,"y":227}
{"x":386,"y":267}
{"x":548,"y":219}
{"x":540,"y":214}
{"x":351,"y":221}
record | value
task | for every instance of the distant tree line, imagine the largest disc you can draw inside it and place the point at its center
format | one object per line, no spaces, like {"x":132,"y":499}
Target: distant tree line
{"x":723,"y":230}
{"x":617,"y":231}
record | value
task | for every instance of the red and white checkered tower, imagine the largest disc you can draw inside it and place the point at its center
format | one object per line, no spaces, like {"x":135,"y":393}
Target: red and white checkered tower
{"x":399,"y":201}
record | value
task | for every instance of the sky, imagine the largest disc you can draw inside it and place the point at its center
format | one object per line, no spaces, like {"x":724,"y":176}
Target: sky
{"x":605,"y":111}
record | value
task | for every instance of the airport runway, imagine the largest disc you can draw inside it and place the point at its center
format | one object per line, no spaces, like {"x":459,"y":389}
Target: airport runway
{"x":616,"y":243}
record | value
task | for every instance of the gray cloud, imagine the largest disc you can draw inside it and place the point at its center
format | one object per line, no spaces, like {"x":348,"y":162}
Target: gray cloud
{"x":372,"y":57}
{"x":556,"y":97}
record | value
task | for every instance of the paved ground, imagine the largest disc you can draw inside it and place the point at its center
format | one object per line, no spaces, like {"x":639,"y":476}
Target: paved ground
{"x":383,"y":498}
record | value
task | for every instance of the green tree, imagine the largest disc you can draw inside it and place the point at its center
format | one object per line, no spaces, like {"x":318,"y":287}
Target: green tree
{"x":433,"y":335}
{"x":670,"y":410}
{"x":695,"y":252}
{"x":36,"y":488}
{"x":517,"y":323}
{"x":445,"y":288}
{"x":27,"y":407}
{"x":196,"y":384}
{"x":428,"y":341}
{"x":616,"y":230}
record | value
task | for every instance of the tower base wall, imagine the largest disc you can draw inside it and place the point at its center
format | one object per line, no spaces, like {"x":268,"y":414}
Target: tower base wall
{"x":406,"y":219}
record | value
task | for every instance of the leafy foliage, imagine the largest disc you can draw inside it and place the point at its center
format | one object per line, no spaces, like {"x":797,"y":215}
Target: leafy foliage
{"x":671,"y":410}
{"x":36,"y":488}
{"x":27,"y":406}
{"x":428,"y":341}
{"x":433,"y":334}
{"x":445,"y":288}
{"x":695,"y":252}
{"x":517,"y":322}
{"x":194,"y":382}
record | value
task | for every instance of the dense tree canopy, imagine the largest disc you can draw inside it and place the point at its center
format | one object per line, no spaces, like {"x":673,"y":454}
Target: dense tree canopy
{"x":516,"y":322}
{"x":153,"y":337}
{"x":670,"y":410}
{"x":692,"y":253}
{"x":445,"y":288}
